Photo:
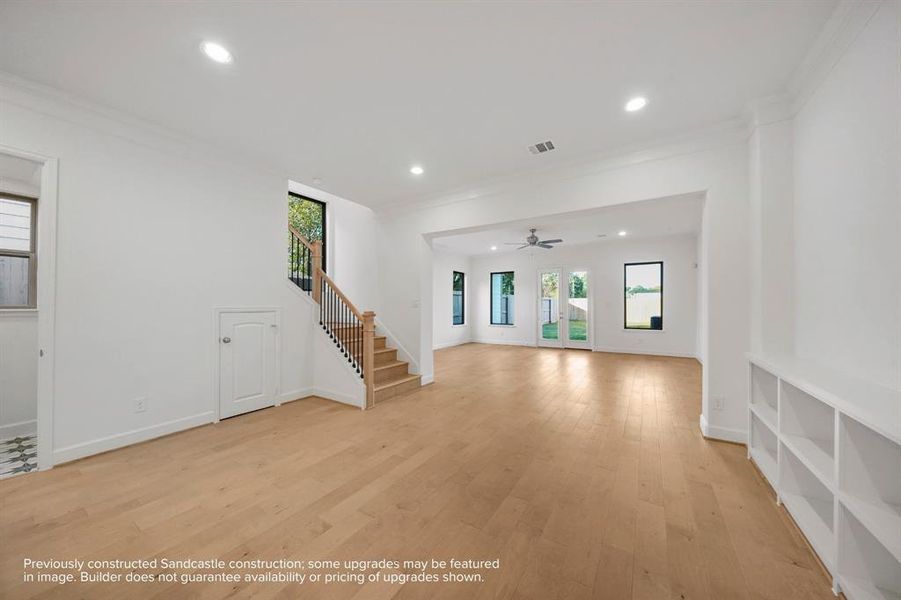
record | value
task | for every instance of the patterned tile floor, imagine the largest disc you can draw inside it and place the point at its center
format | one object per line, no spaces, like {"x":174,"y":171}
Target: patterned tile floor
{"x":18,"y":455}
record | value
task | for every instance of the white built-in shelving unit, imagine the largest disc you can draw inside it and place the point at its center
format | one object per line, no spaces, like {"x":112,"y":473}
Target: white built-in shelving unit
{"x":830,"y":445}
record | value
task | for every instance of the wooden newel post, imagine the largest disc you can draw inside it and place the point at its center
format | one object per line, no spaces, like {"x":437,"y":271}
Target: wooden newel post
{"x":369,"y":357}
{"x":316,"y":247}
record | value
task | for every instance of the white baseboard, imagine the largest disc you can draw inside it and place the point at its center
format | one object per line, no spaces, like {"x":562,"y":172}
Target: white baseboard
{"x":644,"y":352}
{"x":295,"y":395}
{"x":427,"y":379}
{"x":450,"y":344}
{"x":22,"y":428}
{"x":76,"y":451}
{"x":341,"y":397}
{"x":503,"y":342}
{"x":725,"y":434}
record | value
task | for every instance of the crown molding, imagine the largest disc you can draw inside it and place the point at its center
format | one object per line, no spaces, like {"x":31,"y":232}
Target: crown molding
{"x":53,"y":102}
{"x":847,"y":21}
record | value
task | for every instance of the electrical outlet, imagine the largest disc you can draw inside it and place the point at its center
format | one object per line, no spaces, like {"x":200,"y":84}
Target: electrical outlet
{"x":719,"y":403}
{"x":140,"y":404}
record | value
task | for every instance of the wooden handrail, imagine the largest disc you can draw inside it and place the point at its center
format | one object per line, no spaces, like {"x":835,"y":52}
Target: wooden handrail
{"x":334,"y":286}
{"x":300,"y":238}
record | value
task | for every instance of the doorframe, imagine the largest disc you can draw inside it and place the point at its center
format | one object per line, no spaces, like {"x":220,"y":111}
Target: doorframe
{"x":46,"y":298}
{"x":218,"y":311}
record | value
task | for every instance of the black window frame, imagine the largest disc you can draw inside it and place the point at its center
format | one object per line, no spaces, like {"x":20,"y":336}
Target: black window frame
{"x":462,"y":298}
{"x":512,"y":274}
{"x":324,"y":225}
{"x":625,"y":298}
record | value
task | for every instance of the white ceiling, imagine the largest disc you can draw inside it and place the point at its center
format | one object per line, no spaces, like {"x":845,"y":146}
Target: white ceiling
{"x":355,"y":93}
{"x":652,"y":218}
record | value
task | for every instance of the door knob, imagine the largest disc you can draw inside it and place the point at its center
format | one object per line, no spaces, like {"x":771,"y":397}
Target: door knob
{"x":226,"y":340}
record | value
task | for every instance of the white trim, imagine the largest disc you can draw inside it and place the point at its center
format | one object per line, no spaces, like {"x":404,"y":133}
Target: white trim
{"x":358,"y":402}
{"x":847,"y":21}
{"x":128,"y":438}
{"x":299,"y":394}
{"x":502,"y":342}
{"x":450,"y":344}
{"x":725,"y":434}
{"x":427,"y":379}
{"x":404,"y":353}
{"x":613,"y":350}
{"x":10,"y":313}
{"x":218,"y":311}
{"x":46,"y":298}
{"x":21,"y":428}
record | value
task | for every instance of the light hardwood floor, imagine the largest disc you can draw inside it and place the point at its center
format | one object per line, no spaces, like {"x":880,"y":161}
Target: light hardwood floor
{"x":585,"y":473}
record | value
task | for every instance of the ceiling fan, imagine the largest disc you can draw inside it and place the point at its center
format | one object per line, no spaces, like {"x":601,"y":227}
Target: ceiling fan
{"x":532,"y":240}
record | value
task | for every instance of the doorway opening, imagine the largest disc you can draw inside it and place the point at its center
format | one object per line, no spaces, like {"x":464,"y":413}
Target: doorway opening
{"x":20,"y":181}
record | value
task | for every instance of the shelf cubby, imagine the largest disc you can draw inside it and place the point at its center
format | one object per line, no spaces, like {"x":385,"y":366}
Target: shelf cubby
{"x":811,"y":504}
{"x":765,"y":395}
{"x":764,"y":449}
{"x":837,"y":456}
{"x":870,"y":481}
{"x":808,"y":430}
{"x":866,"y":569}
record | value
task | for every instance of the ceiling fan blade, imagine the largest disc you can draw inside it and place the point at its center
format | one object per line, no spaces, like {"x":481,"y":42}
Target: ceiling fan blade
{"x":512,"y":243}
{"x":523,"y":246}
{"x":550,"y":242}
{"x":540,"y":245}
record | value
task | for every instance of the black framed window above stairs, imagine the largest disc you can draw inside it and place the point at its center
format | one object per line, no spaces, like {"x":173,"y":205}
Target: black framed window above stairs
{"x":308,"y":217}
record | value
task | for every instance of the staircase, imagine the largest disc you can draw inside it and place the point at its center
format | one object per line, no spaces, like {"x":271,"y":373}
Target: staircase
{"x":353,"y":331}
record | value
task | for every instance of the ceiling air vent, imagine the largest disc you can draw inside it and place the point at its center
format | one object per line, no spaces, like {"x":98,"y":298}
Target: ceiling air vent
{"x":542,"y":147}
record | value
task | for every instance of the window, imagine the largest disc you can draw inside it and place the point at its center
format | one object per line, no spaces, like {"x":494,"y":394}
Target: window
{"x":502,"y":298}
{"x":18,"y":252}
{"x":459,"y":287}
{"x":307,"y":216}
{"x":644,"y":295}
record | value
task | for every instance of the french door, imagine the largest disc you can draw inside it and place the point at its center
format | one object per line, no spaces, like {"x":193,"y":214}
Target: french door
{"x":564,"y":308}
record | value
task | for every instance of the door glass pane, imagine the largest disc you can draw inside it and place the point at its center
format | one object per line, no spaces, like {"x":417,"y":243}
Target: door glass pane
{"x":644,"y":296}
{"x":14,"y":274}
{"x":577,"y":306}
{"x":550,"y":297}
{"x":15,"y":225}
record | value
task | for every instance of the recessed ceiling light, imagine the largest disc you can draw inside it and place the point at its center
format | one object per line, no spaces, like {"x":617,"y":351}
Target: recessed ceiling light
{"x":216,"y":52}
{"x":417,"y":170}
{"x":636,"y":104}
{"x":494,"y":247}
{"x":622,"y":233}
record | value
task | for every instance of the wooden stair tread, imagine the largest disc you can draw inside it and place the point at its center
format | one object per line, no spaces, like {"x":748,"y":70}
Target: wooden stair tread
{"x":398,"y":381}
{"x":394,"y":363}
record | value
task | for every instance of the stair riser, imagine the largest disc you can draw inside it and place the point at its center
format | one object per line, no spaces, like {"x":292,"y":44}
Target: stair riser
{"x":394,"y":372}
{"x":383,"y":358}
{"x":397,"y":390}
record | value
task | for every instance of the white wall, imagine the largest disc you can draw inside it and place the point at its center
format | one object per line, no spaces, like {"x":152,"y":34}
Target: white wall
{"x":716,"y":165}
{"x":18,"y":372}
{"x":351,"y":254}
{"x":445,"y":332}
{"x":152,"y":234}
{"x":604,"y":261}
{"x":847,"y":196}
